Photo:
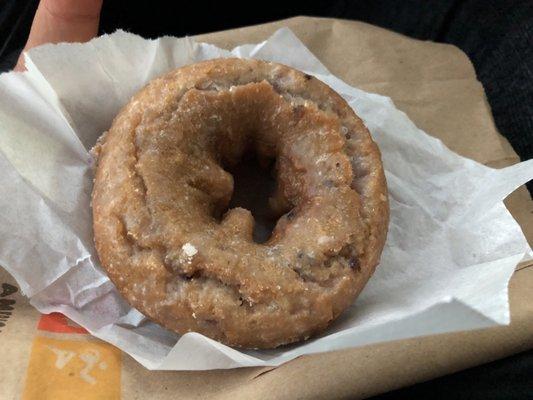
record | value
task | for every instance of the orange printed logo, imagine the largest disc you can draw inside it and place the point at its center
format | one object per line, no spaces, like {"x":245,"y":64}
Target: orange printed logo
{"x":67,"y":369}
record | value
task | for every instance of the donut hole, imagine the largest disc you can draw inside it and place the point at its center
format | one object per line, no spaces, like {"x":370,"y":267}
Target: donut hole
{"x":253,"y":185}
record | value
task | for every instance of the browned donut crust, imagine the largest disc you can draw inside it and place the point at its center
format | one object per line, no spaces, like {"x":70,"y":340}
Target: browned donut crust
{"x":160,"y":188}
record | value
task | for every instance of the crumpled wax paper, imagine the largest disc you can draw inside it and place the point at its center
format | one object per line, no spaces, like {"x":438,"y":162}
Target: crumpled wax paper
{"x":451,"y":249}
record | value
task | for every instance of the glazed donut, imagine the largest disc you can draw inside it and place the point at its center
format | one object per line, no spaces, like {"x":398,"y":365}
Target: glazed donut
{"x":162,"y":228}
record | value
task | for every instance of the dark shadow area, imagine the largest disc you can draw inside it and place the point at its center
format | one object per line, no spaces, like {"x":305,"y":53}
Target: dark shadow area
{"x":506,"y":379}
{"x":253,"y":185}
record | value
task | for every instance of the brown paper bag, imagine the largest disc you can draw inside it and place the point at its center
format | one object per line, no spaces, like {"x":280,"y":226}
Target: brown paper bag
{"x":48,"y":357}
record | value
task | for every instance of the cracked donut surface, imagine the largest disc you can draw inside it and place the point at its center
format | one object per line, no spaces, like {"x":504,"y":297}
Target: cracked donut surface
{"x":162,"y":227}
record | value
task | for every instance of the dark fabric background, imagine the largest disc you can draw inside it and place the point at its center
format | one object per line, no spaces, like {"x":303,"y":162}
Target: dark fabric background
{"x":497,"y":35}
{"x":507,"y":379}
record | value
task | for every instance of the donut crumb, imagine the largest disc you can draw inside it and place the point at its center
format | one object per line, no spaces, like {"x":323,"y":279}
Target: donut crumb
{"x":189,"y":250}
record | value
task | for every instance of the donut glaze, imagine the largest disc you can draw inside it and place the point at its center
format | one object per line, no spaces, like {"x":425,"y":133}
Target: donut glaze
{"x":162,"y":227}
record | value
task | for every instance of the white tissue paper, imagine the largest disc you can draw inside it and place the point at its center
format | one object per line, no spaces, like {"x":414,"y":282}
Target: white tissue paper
{"x":451,"y":250}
